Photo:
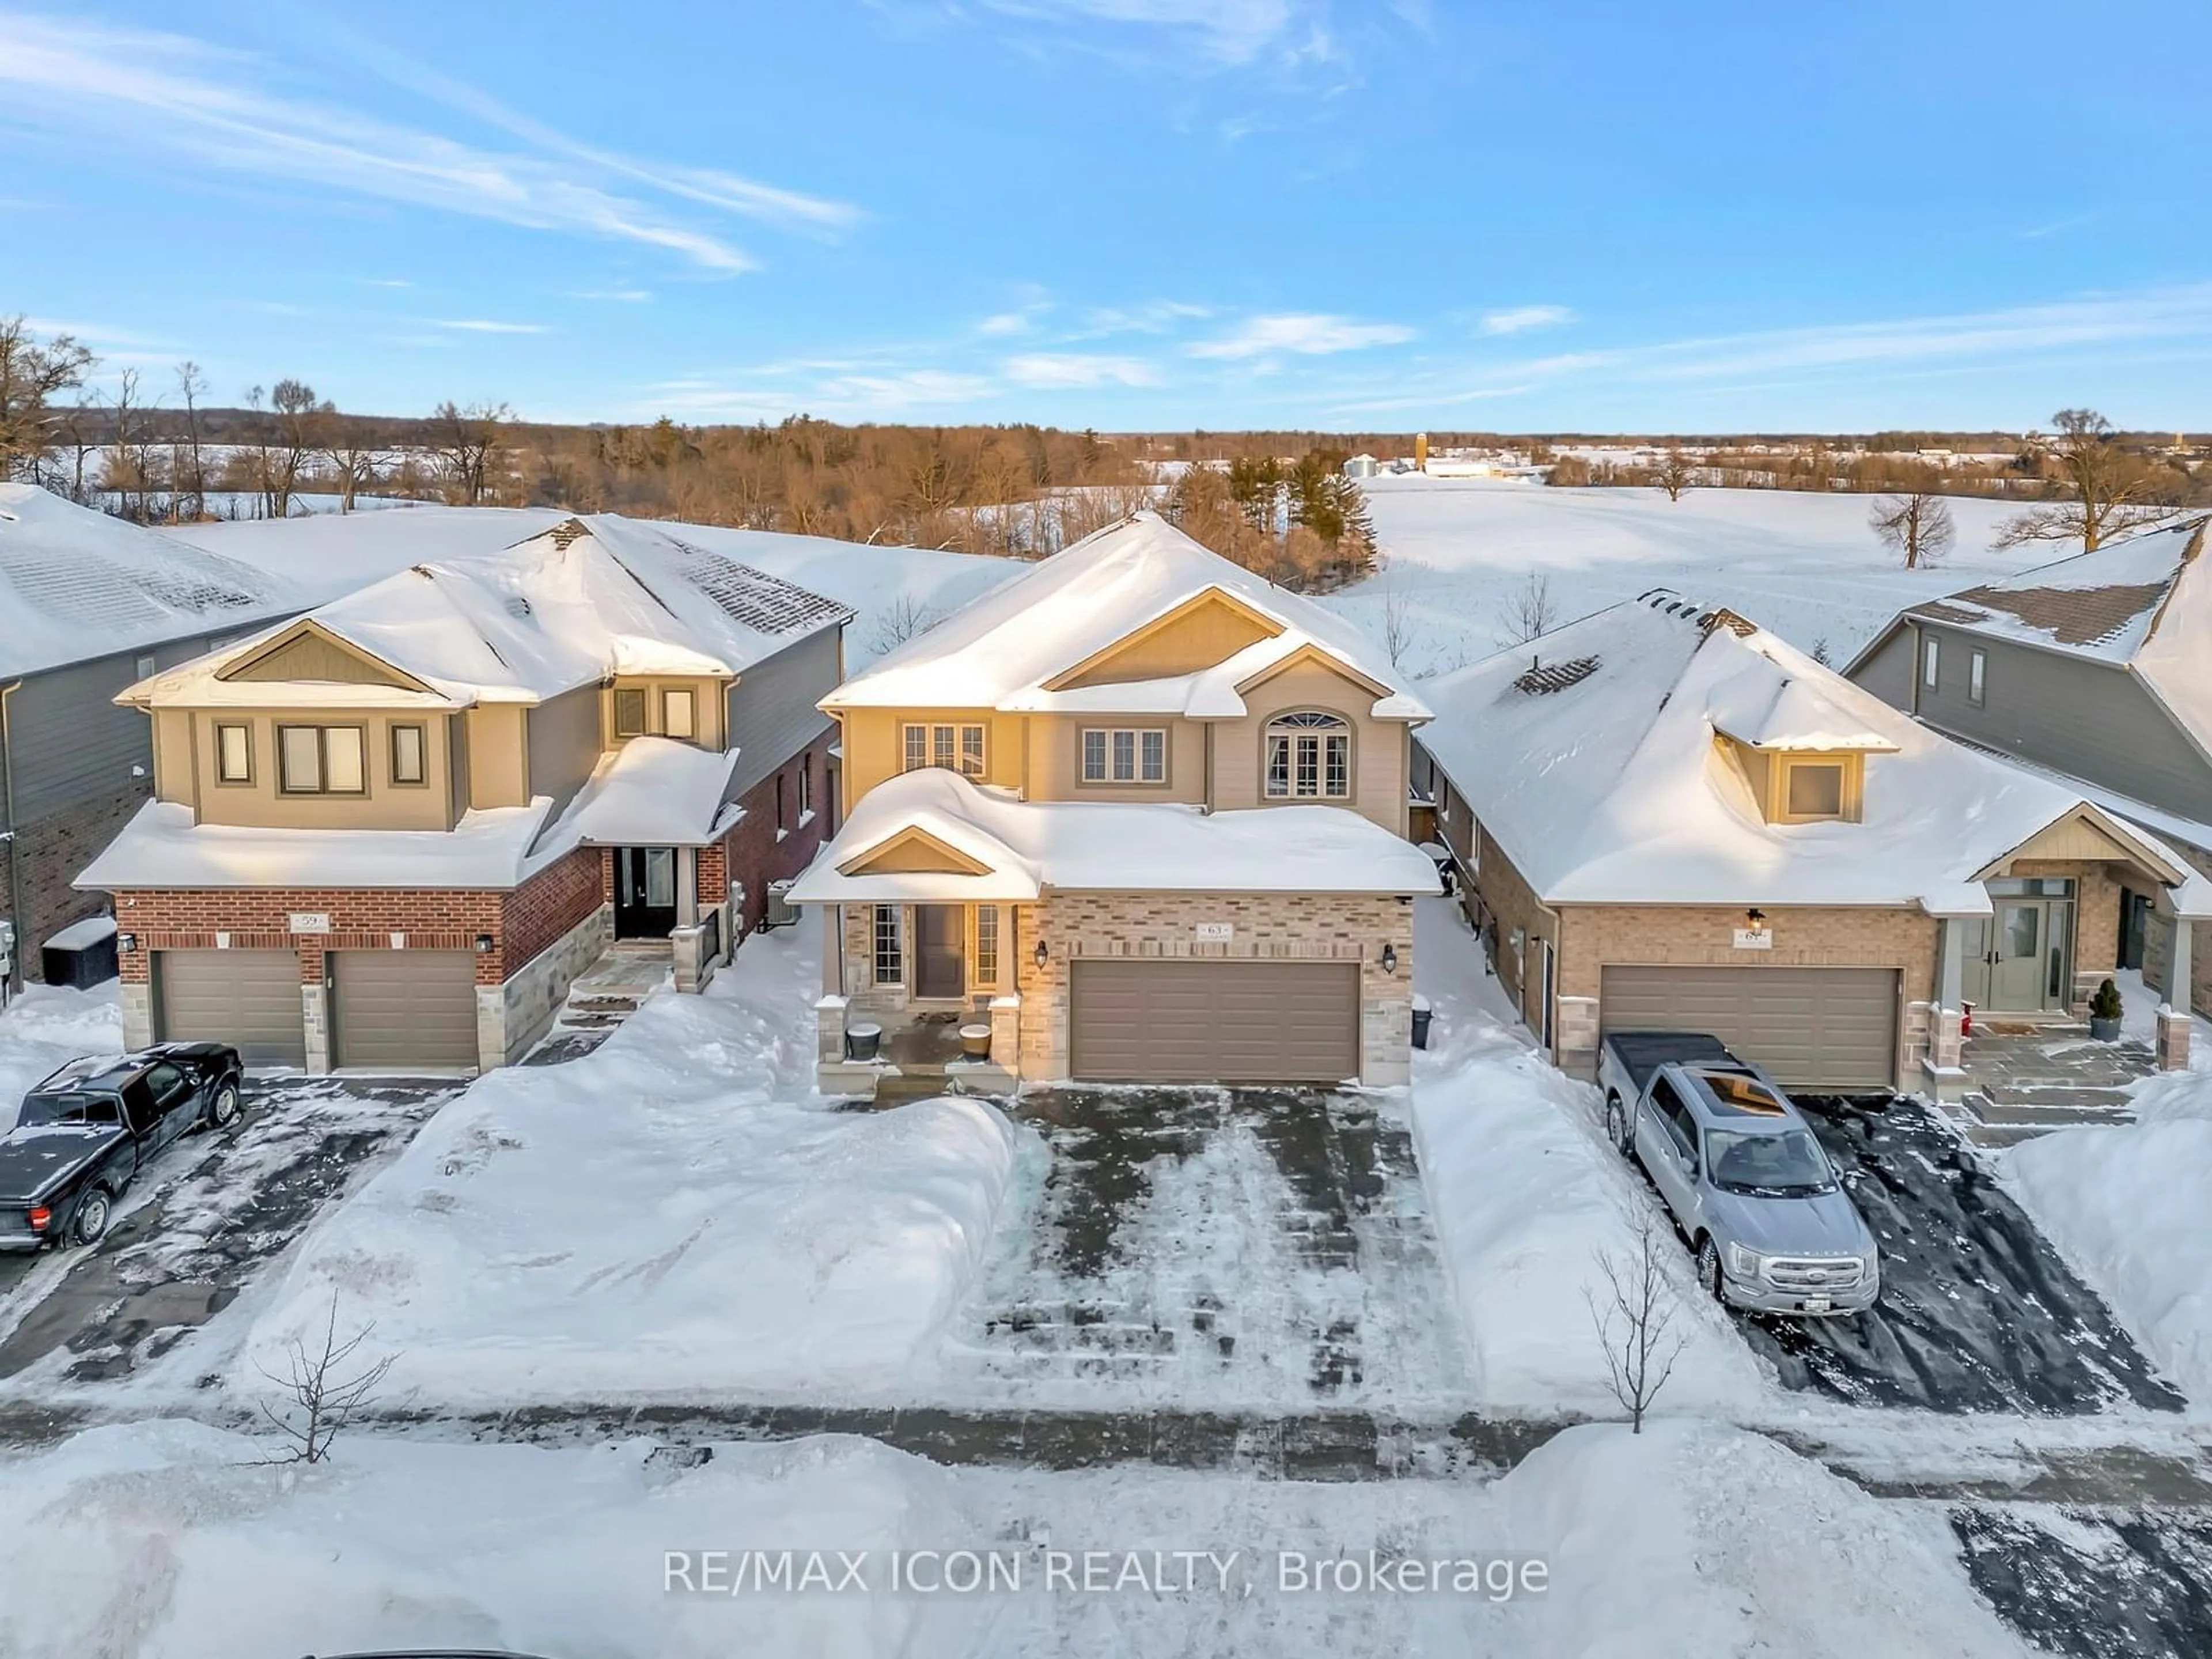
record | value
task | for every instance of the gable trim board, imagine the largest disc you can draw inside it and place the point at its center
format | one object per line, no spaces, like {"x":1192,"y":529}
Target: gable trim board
{"x":913,"y":852}
{"x":308,"y":651}
{"x":2102,"y":831}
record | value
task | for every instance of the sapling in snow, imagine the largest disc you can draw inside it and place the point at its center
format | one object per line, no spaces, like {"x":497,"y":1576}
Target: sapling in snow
{"x":1634,"y":1316}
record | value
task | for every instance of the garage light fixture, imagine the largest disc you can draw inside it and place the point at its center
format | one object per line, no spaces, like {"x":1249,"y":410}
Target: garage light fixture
{"x":1040,"y":953}
{"x":1389,"y":958}
{"x":126,"y":943}
{"x":1754,"y":921}
{"x":484,"y":945}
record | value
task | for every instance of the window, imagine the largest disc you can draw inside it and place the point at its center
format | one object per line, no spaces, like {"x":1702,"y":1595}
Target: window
{"x":956,"y":748}
{"x":233,"y":754}
{"x":1977,"y":668}
{"x":890,"y":949}
{"x":1310,"y":758}
{"x":986,"y":944}
{"x":779,"y":821}
{"x":678,"y":714}
{"x":320,"y":760}
{"x":145,"y":666}
{"x":407,"y":761}
{"x":630,"y":712}
{"x":1131,"y":755}
{"x":1814,"y":790}
{"x":1930,"y":649}
{"x":806,"y":786}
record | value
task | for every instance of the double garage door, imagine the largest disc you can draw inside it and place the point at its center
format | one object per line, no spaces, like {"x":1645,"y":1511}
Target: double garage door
{"x":1827,"y":1029}
{"x":1212,"y":1020}
{"x":391,"y":1010}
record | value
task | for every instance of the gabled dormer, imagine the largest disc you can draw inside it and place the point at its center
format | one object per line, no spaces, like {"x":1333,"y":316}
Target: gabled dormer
{"x":1802,"y":753}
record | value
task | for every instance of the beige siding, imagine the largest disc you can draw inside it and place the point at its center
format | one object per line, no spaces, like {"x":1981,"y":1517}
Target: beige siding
{"x":1055,"y":768}
{"x":1379,"y":748}
{"x":386,"y":805}
{"x":313,"y":655}
{"x":1210,"y":632}
{"x":174,"y":779}
{"x":874,"y":746}
{"x":709,"y":709}
{"x":499,"y":756}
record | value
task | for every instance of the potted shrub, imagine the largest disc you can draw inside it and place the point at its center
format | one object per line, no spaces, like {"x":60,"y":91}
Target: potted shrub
{"x":2105,"y":1014}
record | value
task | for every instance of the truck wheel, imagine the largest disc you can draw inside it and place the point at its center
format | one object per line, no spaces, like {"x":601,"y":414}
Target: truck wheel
{"x":1616,"y":1124}
{"x":1709,"y":1270}
{"x":93,"y":1210}
{"x":222,"y":1111}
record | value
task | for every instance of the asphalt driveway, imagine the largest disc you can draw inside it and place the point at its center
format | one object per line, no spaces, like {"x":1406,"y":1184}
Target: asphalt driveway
{"x":1238,"y":1247}
{"x":1977,"y":1312}
{"x":212,"y":1211}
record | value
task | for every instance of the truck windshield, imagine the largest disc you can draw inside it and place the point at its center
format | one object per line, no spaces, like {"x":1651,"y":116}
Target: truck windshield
{"x":1790,"y":1164}
{"x":42,"y":1109}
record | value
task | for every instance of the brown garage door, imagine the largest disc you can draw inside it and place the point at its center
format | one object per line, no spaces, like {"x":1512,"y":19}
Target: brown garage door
{"x":248,"y":999}
{"x":1813,"y":1028}
{"x":1214,"y":1021}
{"x":403,"y":1010}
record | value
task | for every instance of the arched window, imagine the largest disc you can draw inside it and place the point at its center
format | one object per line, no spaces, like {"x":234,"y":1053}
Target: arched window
{"x":1308,"y":757}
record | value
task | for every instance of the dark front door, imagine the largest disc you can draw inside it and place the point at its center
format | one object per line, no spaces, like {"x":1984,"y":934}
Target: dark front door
{"x":942,"y":960}
{"x":2134,"y":917}
{"x":644,"y":892}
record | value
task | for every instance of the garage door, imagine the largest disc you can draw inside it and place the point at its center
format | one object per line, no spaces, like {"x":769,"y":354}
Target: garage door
{"x":248,"y":999}
{"x":403,"y":1010}
{"x":1215,"y":1020}
{"x":1812,"y":1028}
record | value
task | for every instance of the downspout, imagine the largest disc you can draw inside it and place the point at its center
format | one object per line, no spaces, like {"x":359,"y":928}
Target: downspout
{"x":15,"y":863}
{"x":1917,"y":667}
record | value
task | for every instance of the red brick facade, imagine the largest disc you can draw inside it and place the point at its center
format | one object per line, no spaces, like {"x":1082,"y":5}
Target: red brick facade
{"x":756,"y":856}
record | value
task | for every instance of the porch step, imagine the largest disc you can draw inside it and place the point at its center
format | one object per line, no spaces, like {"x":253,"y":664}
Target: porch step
{"x":1994,"y":1123}
{"x":2049,"y":1097}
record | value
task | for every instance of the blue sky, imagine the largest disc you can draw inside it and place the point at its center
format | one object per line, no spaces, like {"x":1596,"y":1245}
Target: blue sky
{"x":1389,"y":214}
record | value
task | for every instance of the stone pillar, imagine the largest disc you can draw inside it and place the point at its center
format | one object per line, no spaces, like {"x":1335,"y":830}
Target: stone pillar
{"x":137,"y":1013}
{"x":491,"y":1027}
{"x":2172,"y":1041}
{"x":1006,"y":1034}
{"x":829,"y":1030}
{"x":1576,"y":1029}
{"x":2174,"y":1022}
{"x":315,"y":1016}
{"x":1951,"y":963}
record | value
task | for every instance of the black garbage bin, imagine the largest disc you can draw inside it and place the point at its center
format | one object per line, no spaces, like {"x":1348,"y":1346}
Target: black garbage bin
{"x":83,"y":954}
{"x":1422,"y":1014}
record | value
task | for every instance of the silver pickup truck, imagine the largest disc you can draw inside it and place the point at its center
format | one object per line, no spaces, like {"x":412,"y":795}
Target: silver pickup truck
{"x":1744,"y":1176}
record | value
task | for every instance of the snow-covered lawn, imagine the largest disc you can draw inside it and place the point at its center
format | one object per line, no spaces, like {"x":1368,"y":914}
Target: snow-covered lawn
{"x":672,"y":1216}
{"x":172,"y":1541}
{"x":1806,"y":566}
{"x":1528,"y":1199}
{"x":2126,"y":1207}
{"x":48,"y":1025}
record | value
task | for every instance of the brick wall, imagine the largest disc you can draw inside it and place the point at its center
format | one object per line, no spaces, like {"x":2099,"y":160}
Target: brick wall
{"x":45,"y":857}
{"x":1507,"y":902}
{"x":551,"y":904}
{"x":754,"y":854}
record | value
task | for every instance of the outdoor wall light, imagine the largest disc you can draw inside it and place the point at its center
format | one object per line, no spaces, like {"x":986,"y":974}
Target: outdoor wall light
{"x":1389,"y":958}
{"x":126,"y":943}
{"x":1754,"y":921}
{"x":1040,"y":953}
{"x":484,"y":945}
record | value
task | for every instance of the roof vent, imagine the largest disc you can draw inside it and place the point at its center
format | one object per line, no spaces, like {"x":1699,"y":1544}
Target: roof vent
{"x":1742,"y":627}
{"x":517,"y":606}
{"x":567,"y":532}
{"x":1541,"y":681}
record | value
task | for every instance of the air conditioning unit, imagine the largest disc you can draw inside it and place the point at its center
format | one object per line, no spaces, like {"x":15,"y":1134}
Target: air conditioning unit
{"x":782,"y":913}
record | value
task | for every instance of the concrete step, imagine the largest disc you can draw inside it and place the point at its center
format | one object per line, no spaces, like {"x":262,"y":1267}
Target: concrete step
{"x":606,"y":1002}
{"x":2038,"y":1117}
{"x":2033,"y":1095}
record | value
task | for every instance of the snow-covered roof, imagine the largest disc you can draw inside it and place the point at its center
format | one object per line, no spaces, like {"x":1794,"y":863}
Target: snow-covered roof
{"x":1024,"y":847}
{"x":161,"y":846}
{"x":1004,"y":650}
{"x":582,"y":600}
{"x":2144,"y":603}
{"x":653,"y":790}
{"x":76,"y":583}
{"x":1610,"y":789}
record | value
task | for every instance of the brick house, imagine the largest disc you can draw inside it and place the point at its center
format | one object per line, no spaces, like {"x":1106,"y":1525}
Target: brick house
{"x":1665,"y":818}
{"x":389,"y":834}
{"x":1136,"y":814}
{"x":92,"y":604}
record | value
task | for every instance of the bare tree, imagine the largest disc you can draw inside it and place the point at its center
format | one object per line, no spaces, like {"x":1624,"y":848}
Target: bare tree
{"x":1397,"y":624}
{"x":351,"y":454}
{"x":1917,"y":525}
{"x":900,"y":621}
{"x":1633,"y":1316}
{"x":325,"y":1387}
{"x":188,"y":499}
{"x":128,"y":468}
{"x":1674,"y":472}
{"x":288,"y":426}
{"x":2109,"y":489}
{"x":1530,"y":611}
{"x":32,"y":375}
{"x":466,"y":442}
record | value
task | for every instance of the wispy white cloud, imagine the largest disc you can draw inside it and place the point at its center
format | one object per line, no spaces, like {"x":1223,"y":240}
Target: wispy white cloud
{"x":1003,"y":323}
{"x":1152,"y":317}
{"x":633,"y":296}
{"x":1228,"y":31}
{"x":170,"y":97}
{"x":870,"y":396}
{"x":1062,"y":371}
{"x":1519,"y":320}
{"x":1305,"y":333}
{"x":386,"y":282}
{"x":485,"y":325}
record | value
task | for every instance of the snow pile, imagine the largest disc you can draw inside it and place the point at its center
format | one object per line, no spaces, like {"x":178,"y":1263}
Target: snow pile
{"x":2125,"y":1206}
{"x":660,"y":1218}
{"x":48,"y":1026}
{"x":172,"y":1540}
{"x":1528,"y":1197}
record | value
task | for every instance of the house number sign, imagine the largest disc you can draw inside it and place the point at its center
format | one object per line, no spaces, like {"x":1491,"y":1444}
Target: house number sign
{"x":311,"y":921}
{"x":1215,"y":933}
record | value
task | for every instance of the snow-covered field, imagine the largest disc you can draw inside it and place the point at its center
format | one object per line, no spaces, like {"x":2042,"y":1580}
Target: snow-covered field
{"x":668,"y":1217}
{"x":1458,"y":552}
{"x":175,"y":1542}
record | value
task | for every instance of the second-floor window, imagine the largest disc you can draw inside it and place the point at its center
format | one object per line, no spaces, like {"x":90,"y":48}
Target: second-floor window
{"x":1310,"y":758}
{"x":233,"y":754}
{"x":1977,"y":674}
{"x":956,"y":748}
{"x":678,"y":715}
{"x":629,"y":712}
{"x":321,"y":760}
{"x":1118,"y":755}
{"x":409,"y":763}
{"x":806,"y":786}
{"x":1931,"y":660}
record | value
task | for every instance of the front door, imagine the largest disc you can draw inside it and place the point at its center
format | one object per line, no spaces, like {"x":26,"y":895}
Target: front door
{"x":2009,"y":957}
{"x":644,"y":892}
{"x":941,"y":967}
{"x":2135,"y":927}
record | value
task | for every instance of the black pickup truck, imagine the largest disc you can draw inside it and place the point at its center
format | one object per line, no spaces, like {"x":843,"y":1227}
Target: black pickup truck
{"x":85,"y":1134}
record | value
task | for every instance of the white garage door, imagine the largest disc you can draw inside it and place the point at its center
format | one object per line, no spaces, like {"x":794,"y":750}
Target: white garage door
{"x":248,"y":999}
{"x":1832,"y":1028}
